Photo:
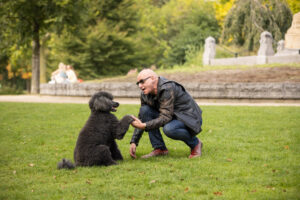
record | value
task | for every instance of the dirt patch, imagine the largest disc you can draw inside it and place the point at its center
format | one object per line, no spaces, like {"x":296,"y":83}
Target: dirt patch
{"x":278,"y":74}
{"x":251,"y":74}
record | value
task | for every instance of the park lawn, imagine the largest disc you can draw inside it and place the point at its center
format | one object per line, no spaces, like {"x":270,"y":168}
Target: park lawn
{"x":249,"y":153}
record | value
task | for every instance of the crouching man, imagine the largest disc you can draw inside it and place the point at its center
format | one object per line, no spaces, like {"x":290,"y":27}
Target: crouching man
{"x":166,"y":104}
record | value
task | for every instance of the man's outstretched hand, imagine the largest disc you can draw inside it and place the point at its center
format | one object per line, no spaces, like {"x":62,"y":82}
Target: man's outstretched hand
{"x":132,"y":150}
{"x":137,"y":123}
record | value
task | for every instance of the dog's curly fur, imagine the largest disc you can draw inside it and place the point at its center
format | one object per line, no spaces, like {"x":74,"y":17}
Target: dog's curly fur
{"x":96,"y":143}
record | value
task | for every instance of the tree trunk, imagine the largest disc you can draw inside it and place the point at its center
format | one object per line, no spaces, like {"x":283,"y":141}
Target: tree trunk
{"x":42,"y":64}
{"x":35,"y":78}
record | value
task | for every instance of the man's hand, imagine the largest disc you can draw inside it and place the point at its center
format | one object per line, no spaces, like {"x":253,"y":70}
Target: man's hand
{"x":137,"y":123}
{"x":132,"y":150}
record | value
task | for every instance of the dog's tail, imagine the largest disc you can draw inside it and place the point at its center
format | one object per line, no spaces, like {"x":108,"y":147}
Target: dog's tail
{"x":65,"y":164}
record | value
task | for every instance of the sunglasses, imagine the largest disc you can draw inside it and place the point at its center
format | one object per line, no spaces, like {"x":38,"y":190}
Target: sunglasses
{"x":142,"y":81}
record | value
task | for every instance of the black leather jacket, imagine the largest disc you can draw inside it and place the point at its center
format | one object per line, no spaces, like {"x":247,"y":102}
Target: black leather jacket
{"x":173,"y":102}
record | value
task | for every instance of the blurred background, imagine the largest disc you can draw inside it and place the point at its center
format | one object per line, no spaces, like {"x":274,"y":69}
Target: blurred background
{"x":104,"y":38}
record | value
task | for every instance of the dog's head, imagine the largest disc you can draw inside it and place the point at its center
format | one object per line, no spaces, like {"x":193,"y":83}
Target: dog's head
{"x":103,"y":101}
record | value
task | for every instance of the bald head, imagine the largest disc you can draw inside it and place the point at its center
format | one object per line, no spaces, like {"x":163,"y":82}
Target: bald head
{"x":147,"y":73}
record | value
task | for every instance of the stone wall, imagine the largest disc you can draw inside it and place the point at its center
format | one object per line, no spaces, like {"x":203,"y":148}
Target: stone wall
{"x":197,"y":90}
{"x":254,"y":60}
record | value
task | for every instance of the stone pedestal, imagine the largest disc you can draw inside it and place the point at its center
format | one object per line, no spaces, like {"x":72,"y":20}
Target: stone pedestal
{"x":292,"y":37}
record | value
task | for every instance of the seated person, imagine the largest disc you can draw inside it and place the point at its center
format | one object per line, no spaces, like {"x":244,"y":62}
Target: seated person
{"x":72,"y":78}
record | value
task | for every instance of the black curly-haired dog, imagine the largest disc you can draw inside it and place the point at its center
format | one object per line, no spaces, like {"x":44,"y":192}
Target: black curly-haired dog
{"x":96,"y":143}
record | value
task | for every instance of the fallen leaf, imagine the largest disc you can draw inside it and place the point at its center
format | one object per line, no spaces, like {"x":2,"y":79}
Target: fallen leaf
{"x":253,"y":191}
{"x":286,"y":147}
{"x":284,"y":190}
{"x":31,"y":164}
{"x":186,"y":189}
{"x":274,"y":170}
{"x":54,"y":177}
{"x":229,"y":159}
{"x":218,"y":193}
{"x":270,"y":187}
{"x":88,"y":182}
{"x":14,"y":172}
{"x":153,"y":181}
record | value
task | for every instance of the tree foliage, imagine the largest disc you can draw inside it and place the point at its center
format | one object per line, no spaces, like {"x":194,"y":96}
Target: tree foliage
{"x":104,"y":44}
{"x":29,"y":20}
{"x":294,"y":5}
{"x":247,"y":19}
{"x":176,"y":27}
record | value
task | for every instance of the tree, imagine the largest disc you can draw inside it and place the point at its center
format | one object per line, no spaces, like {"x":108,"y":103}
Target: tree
{"x":176,"y":27}
{"x":105,"y":44}
{"x":294,"y":5}
{"x":247,"y":19}
{"x":31,"y":19}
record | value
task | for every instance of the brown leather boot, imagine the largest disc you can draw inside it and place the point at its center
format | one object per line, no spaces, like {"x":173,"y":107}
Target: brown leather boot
{"x":197,"y":150}
{"x":156,"y":152}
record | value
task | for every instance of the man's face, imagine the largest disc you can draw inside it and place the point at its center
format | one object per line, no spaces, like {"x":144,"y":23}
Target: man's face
{"x":145,"y":83}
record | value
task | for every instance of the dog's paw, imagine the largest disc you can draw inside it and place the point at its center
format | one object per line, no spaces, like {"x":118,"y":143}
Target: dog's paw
{"x":128,"y":119}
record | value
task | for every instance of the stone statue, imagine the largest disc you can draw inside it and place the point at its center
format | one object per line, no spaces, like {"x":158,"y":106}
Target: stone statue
{"x":266,"y":48}
{"x":280,"y":46}
{"x":209,"y":50}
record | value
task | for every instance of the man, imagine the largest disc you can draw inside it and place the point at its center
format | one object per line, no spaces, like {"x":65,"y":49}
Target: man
{"x":166,"y":104}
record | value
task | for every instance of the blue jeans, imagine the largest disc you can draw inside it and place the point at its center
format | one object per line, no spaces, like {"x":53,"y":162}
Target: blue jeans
{"x":175,"y":129}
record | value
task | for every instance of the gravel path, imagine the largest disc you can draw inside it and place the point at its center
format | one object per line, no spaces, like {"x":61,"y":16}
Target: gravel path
{"x":84,"y":100}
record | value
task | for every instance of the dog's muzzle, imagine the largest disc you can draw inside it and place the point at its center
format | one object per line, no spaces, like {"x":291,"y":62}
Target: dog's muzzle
{"x":114,"y":106}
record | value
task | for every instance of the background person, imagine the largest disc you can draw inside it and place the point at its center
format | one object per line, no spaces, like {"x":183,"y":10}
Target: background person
{"x":72,"y":78}
{"x":59,"y":75}
{"x":166,"y":104}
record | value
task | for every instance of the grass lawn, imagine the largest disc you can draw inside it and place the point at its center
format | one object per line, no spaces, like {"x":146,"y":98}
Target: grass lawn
{"x":249,"y":153}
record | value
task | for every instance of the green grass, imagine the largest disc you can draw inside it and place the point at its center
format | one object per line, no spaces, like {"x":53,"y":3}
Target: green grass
{"x":249,"y":153}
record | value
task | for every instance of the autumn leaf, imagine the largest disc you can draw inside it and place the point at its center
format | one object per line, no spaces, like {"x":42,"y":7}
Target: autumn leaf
{"x":31,"y":165}
{"x":153,"y":181}
{"x":88,"y":182}
{"x":229,"y":159}
{"x":186,"y":189}
{"x":218,"y":193}
{"x":286,"y":147}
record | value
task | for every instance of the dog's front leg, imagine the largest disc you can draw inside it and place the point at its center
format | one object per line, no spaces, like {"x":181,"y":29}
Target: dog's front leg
{"x":115,"y":152}
{"x":122,"y":126}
